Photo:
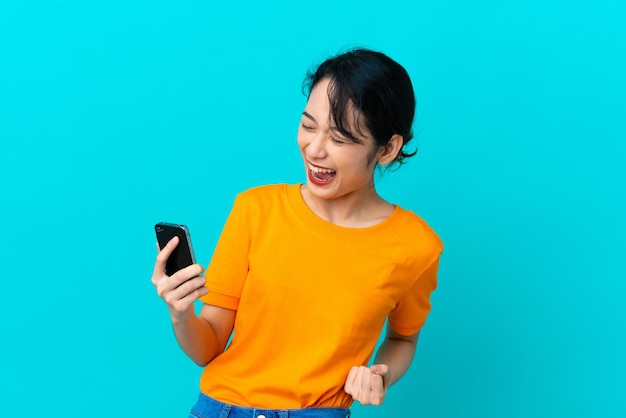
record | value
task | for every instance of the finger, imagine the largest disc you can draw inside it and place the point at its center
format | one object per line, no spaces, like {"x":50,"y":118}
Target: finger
{"x":184,"y":274}
{"x":364,"y":385}
{"x":349,"y":385}
{"x":182,"y":297}
{"x":380,"y":369}
{"x":362,"y":378}
{"x":171,"y":292}
{"x":357,"y":384}
{"x":177,"y":286}
{"x":378,"y":388}
{"x":163,"y":255}
{"x":192,"y":297}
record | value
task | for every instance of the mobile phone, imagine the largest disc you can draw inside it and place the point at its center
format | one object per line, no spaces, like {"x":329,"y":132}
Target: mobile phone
{"x":182,"y":256}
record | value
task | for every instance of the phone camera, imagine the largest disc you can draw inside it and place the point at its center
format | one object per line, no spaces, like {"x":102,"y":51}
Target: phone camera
{"x":159,"y":229}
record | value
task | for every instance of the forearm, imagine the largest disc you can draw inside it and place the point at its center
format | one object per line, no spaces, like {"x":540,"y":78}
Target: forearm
{"x":397,"y":354}
{"x":197,"y":339}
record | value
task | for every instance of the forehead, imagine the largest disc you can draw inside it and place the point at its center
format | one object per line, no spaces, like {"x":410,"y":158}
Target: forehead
{"x":319,"y":97}
{"x":325,"y":106}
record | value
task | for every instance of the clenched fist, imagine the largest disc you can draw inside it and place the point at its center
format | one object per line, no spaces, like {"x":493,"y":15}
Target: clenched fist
{"x":368,"y":385}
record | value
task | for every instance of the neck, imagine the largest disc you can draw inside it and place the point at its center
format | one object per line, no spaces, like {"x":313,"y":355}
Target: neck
{"x":354,"y":210}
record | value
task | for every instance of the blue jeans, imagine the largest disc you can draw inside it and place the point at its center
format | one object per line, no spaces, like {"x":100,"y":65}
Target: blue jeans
{"x":207,"y":407}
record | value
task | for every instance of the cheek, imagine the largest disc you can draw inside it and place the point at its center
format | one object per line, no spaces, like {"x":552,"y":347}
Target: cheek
{"x":301,"y":142}
{"x":303,"y":138}
{"x":356,"y":162}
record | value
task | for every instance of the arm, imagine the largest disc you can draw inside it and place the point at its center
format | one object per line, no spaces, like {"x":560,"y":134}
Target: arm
{"x":204,"y":337}
{"x":397,"y":353}
{"x":201,"y":337}
{"x":369,"y":385}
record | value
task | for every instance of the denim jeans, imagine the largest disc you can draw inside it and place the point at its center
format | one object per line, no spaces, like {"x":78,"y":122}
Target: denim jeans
{"x":207,"y":407}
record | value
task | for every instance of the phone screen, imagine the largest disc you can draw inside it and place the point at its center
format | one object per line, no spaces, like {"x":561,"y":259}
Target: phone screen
{"x":182,"y":256}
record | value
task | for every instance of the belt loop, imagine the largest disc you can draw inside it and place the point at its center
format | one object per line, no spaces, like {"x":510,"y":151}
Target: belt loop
{"x":225,"y":411}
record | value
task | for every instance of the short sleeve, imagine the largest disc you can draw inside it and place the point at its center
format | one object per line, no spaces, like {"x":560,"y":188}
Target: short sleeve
{"x":409,"y":315}
{"x":228,"y":268}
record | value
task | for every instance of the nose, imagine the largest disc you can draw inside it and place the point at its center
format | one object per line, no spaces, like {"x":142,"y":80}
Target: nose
{"x":316,"y":149}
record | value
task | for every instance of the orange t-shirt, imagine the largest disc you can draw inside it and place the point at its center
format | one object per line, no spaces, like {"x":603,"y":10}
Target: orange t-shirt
{"x":311,"y":297}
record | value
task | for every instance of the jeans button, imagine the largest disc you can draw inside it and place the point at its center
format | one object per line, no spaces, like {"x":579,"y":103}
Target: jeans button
{"x":261,"y":416}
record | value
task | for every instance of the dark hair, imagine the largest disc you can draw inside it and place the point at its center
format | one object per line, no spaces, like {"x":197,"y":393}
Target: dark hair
{"x":377,"y":87}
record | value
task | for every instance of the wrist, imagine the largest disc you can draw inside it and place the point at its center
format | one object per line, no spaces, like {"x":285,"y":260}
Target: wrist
{"x":181,"y":318}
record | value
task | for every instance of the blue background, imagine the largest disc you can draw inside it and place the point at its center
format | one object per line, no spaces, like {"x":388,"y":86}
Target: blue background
{"x":115,"y":115}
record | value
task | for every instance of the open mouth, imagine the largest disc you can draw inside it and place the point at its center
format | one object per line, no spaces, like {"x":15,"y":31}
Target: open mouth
{"x":321,"y":175}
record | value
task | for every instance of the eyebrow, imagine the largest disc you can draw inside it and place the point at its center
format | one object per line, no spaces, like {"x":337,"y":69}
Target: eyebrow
{"x":332,"y":128}
{"x":336,"y":129}
{"x":308,"y":115}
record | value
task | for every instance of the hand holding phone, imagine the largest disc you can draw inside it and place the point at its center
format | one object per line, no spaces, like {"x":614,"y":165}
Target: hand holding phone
{"x":183,"y":255}
{"x":179,"y":291}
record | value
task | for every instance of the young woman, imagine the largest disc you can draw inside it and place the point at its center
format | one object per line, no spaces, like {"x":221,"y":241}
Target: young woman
{"x":304,"y":276}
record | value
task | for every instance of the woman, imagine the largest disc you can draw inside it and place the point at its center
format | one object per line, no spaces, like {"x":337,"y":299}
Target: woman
{"x":305,"y":276}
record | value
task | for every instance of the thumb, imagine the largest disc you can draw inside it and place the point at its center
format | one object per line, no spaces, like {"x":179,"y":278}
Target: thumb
{"x":383,"y":371}
{"x":380,"y":369}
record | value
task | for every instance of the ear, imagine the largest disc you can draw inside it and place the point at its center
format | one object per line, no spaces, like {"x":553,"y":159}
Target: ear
{"x":391,"y":150}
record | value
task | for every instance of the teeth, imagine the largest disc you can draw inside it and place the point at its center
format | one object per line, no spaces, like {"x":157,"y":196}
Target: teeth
{"x":320,"y":170}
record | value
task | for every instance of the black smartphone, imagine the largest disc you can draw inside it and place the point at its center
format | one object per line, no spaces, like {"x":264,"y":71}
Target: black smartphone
{"x":182,"y":256}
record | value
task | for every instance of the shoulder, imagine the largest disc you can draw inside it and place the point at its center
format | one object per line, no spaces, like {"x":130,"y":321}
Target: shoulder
{"x":261,"y":199}
{"x":263,"y":207}
{"x":263,"y":194}
{"x":418,"y":232}
{"x":263,"y":191}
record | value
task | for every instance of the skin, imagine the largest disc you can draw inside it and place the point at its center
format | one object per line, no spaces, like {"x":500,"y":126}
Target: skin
{"x":201,"y":337}
{"x":349,"y":200}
